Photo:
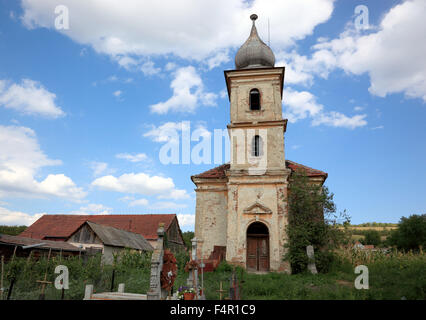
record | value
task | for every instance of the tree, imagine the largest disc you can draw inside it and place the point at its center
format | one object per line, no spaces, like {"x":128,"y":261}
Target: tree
{"x":372,"y":237}
{"x":411,"y":233}
{"x":12,"y":230}
{"x":312,"y":220}
{"x":187,"y":237}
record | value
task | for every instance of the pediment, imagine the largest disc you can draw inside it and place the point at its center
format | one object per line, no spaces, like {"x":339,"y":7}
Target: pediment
{"x":257,"y":208}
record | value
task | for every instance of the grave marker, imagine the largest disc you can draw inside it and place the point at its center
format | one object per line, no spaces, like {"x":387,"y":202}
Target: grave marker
{"x":311,"y":259}
{"x":155,"y":291}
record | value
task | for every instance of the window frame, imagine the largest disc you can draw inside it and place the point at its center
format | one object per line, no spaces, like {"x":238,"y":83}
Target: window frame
{"x":257,"y":146}
{"x":259,"y":100}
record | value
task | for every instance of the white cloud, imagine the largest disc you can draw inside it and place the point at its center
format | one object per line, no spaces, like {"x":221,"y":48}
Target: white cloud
{"x":99,"y":168}
{"x":188,"y":93}
{"x":393,"y":56}
{"x":186,"y":220}
{"x":21,"y":159}
{"x":132,"y":158}
{"x":93,"y":208}
{"x":126,"y":62}
{"x":117,"y":93}
{"x":167,"y":131}
{"x":337,"y":119}
{"x":29,"y":97}
{"x":170,"y":131}
{"x":177,"y":194}
{"x":60,"y":185}
{"x":358,"y":108}
{"x":112,"y":78}
{"x":13,"y":218}
{"x":167,"y":205}
{"x":218,"y":59}
{"x":129,"y":29}
{"x":139,"y":183}
{"x":148,"y":68}
{"x":139,"y":203}
{"x":301,"y":69}
{"x":170,"y":66}
{"x":302,"y":104}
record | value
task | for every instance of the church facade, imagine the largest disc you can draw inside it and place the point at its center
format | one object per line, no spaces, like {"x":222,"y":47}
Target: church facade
{"x":241,"y":206}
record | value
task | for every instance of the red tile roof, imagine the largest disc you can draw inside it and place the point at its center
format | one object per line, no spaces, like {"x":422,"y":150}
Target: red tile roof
{"x":219,"y":172}
{"x":63,"y":226}
{"x":310,"y":172}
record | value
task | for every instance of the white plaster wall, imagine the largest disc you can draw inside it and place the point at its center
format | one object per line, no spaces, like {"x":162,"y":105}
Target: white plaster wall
{"x":210,"y":221}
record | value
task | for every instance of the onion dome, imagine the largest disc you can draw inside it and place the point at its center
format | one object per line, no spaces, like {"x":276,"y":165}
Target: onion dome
{"x":254,"y":53}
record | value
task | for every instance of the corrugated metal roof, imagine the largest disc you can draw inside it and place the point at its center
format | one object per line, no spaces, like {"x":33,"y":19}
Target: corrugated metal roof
{"x":120,"y":238}
{"x":47,"y":244}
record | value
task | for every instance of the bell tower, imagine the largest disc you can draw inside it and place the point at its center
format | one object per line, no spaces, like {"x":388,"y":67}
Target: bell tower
{"x":257,"y":177}
{"x":255,"y":92}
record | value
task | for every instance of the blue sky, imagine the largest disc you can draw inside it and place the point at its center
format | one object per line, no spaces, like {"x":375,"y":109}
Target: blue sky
{"x":85,"y":110}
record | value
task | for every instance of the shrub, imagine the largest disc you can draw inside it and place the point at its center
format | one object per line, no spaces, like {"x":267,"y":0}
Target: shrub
{"x":224,"y":267}
{"x":372,"y":237}
{"x":324,"y":260}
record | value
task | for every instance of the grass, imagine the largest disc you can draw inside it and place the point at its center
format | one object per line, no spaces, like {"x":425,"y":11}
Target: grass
{"x":391,"y":276}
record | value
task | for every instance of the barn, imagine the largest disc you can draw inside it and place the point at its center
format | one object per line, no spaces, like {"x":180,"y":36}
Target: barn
{"x":61,"y":227}
{"x":93,"y":237}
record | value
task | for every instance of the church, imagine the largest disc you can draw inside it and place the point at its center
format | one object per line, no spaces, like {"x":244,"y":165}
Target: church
{"x":241,"y":207}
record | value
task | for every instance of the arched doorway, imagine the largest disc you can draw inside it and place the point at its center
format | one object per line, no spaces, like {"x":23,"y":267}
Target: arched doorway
{"x":257,"y":247}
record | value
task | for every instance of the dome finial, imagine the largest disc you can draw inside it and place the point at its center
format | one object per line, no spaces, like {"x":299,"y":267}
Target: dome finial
{"x":254,"y":53}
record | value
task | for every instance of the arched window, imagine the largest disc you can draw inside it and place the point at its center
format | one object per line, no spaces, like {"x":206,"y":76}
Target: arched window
{"x":256,"y":149}
{"x":254,"y":99}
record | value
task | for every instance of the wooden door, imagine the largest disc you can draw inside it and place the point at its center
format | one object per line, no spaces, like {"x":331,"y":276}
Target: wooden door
{"x":251,"y":254}
{"x":263,"y":251}
{"x":258,"y":253}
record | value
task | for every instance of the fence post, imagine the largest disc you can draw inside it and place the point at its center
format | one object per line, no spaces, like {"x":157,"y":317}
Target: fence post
{"x":112,"y":280}
{"x":2,"y":273}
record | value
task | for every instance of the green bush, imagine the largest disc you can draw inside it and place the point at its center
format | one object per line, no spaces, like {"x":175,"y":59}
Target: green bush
{"x":224,"y":267}
{"x":324,"y":260}
{"x":372,"y":237}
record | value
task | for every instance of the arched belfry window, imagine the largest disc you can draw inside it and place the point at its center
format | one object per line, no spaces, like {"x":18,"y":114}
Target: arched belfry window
{"x":257,"y":146}
{"x":254,"y":99}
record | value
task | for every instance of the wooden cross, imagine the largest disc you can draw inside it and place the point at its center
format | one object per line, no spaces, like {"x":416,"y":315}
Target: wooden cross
{"x":44,"y":282}
{"x":43,"y":287}
{"x":220,"y":291}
